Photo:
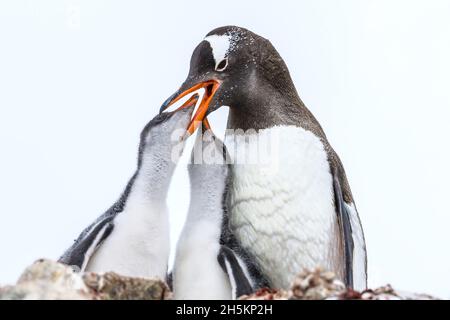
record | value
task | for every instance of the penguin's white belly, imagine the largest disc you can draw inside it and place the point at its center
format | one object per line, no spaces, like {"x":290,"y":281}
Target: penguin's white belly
{"x":139,"y":243}
{"x":197,"y":274}
{"x":283,"y":212}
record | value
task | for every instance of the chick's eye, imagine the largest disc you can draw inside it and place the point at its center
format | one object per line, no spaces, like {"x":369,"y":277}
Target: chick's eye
{"x":222,"y":65}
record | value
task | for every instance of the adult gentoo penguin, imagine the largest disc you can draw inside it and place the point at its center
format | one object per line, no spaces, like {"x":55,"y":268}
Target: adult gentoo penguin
{"x":132,"y":237}
{"x":301,"y":215}
{"x":205,"y":265}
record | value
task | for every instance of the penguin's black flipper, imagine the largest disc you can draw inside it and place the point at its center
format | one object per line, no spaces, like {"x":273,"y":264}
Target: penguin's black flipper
{"x":345,"y":228}
{"x":169,"y":280}
{"x":239,"y":279}
{"x":80,"y":252}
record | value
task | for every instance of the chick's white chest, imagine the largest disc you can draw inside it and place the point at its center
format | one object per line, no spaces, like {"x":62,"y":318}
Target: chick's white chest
{"x":281,"y":205}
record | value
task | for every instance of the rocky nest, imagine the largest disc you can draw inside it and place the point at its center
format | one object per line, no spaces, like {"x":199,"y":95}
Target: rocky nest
{"x":49,"y":280}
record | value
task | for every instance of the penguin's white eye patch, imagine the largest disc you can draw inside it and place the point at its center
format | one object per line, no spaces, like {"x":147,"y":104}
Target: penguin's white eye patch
{"x":222,"y":65}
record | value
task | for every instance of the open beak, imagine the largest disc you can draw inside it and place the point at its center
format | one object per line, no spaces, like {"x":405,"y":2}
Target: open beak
{"x":206,"y":125}
{"x":189,"y":103}
{"x":199,"y":116}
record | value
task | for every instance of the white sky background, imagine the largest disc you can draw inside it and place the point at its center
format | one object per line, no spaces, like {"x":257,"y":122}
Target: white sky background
{"x":80,"y":79}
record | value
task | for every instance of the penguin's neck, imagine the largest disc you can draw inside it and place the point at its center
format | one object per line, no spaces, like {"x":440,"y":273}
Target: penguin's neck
{"x":207,"y":192}
{"x":153,"y":177}
{"x":259,"y":104}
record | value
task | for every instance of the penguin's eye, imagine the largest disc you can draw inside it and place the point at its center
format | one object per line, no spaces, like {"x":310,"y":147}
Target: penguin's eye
{"x":222,"y":65}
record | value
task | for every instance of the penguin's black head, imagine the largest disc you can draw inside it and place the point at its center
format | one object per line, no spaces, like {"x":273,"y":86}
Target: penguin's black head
{"x":167,"y":130}
{"x":233,"y":65}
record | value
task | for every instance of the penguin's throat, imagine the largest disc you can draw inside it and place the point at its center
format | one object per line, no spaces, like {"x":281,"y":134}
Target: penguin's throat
{"x":153,"y":179}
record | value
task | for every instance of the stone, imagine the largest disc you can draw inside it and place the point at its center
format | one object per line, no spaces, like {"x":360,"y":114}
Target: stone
{"x":50,"y":280}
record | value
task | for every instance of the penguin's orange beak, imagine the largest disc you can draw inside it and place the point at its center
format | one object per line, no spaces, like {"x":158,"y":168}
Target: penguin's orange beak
{"x":199,"y":116}
{"x":189,"y":103}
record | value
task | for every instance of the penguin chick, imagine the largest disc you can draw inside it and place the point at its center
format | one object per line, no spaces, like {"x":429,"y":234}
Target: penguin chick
{"x":132,"y":237}
{"x":206,"y":268}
